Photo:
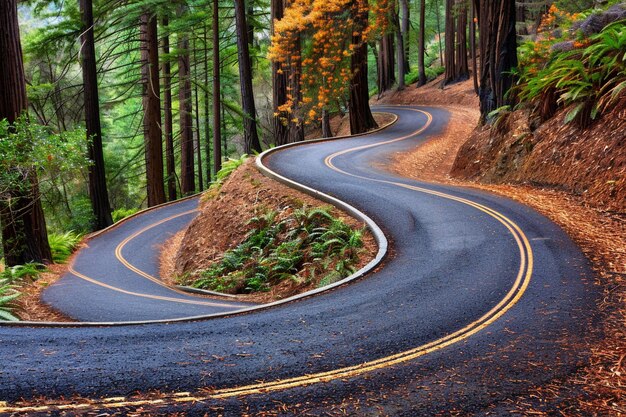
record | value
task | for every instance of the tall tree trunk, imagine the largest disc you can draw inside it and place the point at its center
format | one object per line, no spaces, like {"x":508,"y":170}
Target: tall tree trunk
{"x":197,"y":113}
{"x":249,"y":24}
{"x":498,"y":54}
{"x":386,"y":60}
{"x":167,"y":118}
{"x":405,"y":27}
{"x":207,"y":126}
{"x":450,"y":66}
{"x":187,"y":171}
{"x":24,"y":235}
{"x":217,"y":121}
{"x":421,"y":45}
{"x":438,"y":16}
{"x":152,"y":109}
{"x":326,"y":130}
{"x":295,"y":128}
{"x":400,"y":53}
{"x":461,"y":71}
{"x":279,"y":83}
{"x":97,"y":178}
{"x":251,"y":136}
{"x":361,"y":119}
{"x":473,"y":46}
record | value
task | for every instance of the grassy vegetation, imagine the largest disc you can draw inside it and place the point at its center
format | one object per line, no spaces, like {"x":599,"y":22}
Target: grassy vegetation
{"x":308,"y":245}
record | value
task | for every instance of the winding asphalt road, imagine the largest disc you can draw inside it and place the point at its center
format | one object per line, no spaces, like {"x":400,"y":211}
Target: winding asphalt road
{"x":480,"y":300}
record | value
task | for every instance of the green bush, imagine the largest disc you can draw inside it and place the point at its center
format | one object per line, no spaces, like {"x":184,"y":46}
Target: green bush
{"x":62,"y":245}
{"x":305,"y":244}
{"x":122,"y":213}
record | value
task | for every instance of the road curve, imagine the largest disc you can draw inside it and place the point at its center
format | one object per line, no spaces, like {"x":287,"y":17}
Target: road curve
{"x":480,"y":300}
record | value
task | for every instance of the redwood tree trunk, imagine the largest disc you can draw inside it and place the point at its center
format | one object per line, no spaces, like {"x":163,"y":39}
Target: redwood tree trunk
{"x":472,"y":29}
{"x":421,"y":45}
{"x":295,"y":128}
{"x":97,"y":179}
{"x":400,"y":55}
{"x":251,"y":136}
{"x":197,"y":113}
{"x":405,"y":26}
{"x":386,"y":67}
{"x":167,"y":119}
{"x":449,"y":59}
{"x":461,"y":71}
{"x":279,"y":83}
{"x":498,"y":54}
{"x":361,"y":119}
{"x":217,"y":121}
{"x":187,"y":172}
{"x":151,"y":99}
{"x":24,"y":235}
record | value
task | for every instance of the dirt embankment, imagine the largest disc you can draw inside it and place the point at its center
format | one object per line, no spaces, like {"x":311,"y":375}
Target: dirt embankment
{"x":222,"y":224}
{"x":590,"y":163}
{"x":574,"y":178}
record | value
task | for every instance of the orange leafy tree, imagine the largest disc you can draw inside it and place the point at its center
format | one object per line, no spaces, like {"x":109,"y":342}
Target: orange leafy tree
{"x":315,"y":43}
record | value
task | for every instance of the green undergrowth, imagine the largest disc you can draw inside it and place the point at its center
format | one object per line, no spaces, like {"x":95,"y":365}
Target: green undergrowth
{"x":589,"y":79}
{"x":308,"y":246}
{"x":62,"y":245}
{"x":11,"y":279}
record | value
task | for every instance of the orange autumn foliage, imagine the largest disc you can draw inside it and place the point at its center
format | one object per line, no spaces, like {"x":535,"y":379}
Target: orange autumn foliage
{"x":322,"y":30}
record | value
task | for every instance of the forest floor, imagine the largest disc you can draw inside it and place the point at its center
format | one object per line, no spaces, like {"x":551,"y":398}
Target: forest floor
{"x":601,"y":234}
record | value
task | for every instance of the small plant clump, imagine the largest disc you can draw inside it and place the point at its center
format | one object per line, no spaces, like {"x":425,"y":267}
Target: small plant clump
{"x":308,"y":245}
{"x":62,"y":245}
{"x":11,"y":279}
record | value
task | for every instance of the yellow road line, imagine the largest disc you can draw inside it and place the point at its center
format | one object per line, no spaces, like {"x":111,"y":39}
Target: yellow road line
{"x":520,"y":285}
{"x":118,"y":255}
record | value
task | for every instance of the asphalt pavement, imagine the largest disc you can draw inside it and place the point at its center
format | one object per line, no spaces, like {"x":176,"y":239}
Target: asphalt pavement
{"x":479,"y":300}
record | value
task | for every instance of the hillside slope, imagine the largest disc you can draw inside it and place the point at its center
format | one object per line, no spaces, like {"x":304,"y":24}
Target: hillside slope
{"x":590,"y":163}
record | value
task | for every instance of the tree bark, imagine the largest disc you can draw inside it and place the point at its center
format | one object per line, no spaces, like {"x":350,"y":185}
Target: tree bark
{"x":207,"y":127}
{"x":97,"y":178}
{"x":279,"y":83}
{"x":498,"y":54}
{"x":326,"y":130}
{"x":361,"y":119}
{"x":24,"y":234}
{"x":295,"y":128}
{"x":167,"y":118}
{"x":473,"y":46}
{"x":188,"y":180}
{"x":251,"y":136}
{"x":450,"y":64}
{"x":151,"y":99}
{"x":405,"y":27}
{"x":386,"y":70}
{"x":400,"y":54}
{"x":197,"y":113}
{"x":421,"y":46}
{"x":217,"y":121}
{"x":461,"y":71}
